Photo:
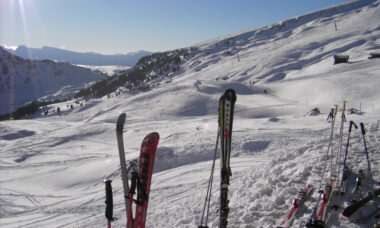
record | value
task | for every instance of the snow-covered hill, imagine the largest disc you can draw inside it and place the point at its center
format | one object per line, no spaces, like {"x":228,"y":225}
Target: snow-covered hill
{"x":293,"y":49}
{"x":23,"y":81}
{"x":92,"y":59}
{"x":52,"y":168}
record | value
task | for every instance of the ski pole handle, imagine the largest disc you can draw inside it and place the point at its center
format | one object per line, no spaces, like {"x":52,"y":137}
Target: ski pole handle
{"x":109,"y":201}
{"x":352,"y":123}
{"x":362,"y":128}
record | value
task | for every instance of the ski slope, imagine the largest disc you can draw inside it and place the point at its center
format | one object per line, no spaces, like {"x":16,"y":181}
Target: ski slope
{"x":52,"y":167}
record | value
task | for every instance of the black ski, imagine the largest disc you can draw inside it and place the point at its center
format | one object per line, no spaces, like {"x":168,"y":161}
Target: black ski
{"x":373,"y":214}
{"x":348,"y":211}
{"x":226,"y":112}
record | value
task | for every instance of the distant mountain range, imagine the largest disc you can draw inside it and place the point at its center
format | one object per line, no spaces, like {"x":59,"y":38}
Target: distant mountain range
{"x":88,"y":58}
{"x":23,"y":81}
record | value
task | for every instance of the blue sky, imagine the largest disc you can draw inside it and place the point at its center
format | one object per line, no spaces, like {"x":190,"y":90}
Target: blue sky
{"x":122,"y":26}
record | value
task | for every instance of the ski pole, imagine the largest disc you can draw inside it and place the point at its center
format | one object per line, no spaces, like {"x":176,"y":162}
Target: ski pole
{"x":366,"y":153}
{"x":109,"y":202}
{"x":340,"y":143}
{"x":346,"y":170}
{"x":348,"y":140}
{"x":209,"y":188}
{"x":331,"y":143}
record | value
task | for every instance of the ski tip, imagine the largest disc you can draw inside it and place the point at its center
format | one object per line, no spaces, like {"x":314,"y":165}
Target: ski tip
{"x":310,"y":186}
{"x":156,"y":134}
{"x":230,"y":93}
{"x":346,"y":214}
{"x":153,"y":135}
{"x":120,"y":122}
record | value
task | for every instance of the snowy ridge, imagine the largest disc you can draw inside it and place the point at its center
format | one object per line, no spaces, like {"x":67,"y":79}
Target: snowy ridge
{"x":52,"y":168}
{"x":24,"y":81}
{"x":88,"y":58}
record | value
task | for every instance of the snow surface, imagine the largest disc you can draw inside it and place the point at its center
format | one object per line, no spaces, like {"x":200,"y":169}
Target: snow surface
{"x":52,"y":167}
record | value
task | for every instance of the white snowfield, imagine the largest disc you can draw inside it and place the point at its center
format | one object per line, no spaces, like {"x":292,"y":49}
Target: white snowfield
{"x":52,"y":167}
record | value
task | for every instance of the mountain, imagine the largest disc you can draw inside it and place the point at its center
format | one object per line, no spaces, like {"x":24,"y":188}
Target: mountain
{"x":53,"y":167}
{"x":24,"y":81}
{"x":92,"y":59}
{"x":271,"y":56}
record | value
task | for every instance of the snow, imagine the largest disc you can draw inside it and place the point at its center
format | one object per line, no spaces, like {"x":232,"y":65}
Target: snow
{"x":24,"y":81}
{"x":108,"y":70}
{"x":52,"y":167}
{"x":87,"y":58}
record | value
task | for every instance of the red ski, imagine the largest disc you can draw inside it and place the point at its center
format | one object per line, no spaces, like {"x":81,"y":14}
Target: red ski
{"x":325,"y":199}
{"x":320,"y":218}
{"x":298,"y":202}
{"x":142,"y":180}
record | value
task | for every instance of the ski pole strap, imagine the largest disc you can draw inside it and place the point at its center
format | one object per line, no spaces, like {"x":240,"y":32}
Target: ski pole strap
{"x":132,"y":189}
{"x":352,"y":124}
{"x":109,"y":200}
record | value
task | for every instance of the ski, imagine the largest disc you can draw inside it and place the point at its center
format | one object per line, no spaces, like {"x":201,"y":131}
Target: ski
{"x":345,"y":175}
{"x":140,"y":179}
{"x":319,"y":220}
{"x":340,"y":143}
{"x":124,"y":175}
{"x":144,"y":177}
{"x":109,"y":202}
{"x":226,"y":112}
{"x":348,"y":211}
{"x":298,"y":202}
{"x":373,"y":214}
{"x":317,"y":216}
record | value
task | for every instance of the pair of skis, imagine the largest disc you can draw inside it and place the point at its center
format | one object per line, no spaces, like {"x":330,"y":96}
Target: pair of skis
{"x":318,"y":216}
{"x":324,"y":198}
{"x":226,"y":113}
{"x":298,"y":203}
{"x":359,"y":202}
{"x":350,"y":210}
{"x":140,"y":179}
